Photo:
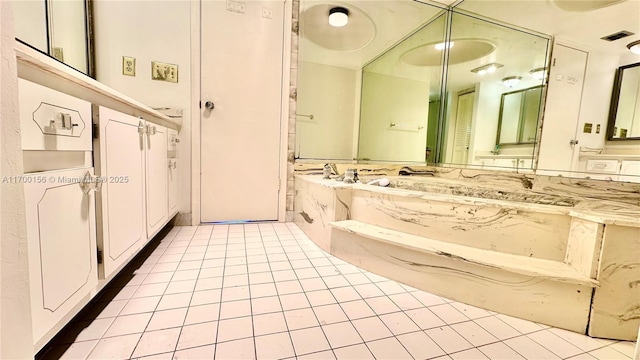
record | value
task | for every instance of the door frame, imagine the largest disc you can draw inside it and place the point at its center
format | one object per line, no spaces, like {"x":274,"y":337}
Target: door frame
{"x":196,"y":112}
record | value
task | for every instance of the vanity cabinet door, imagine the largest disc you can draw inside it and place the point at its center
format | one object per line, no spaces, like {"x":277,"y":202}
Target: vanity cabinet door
{"x":61,"y":240}
{"x":630,"y":171}
{"x":173,"y":172}
{"x":120,"y":163}
{"x":156,"y":172}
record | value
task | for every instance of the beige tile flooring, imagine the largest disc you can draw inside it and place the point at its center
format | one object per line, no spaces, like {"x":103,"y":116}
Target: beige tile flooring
{"x":265,"y":291}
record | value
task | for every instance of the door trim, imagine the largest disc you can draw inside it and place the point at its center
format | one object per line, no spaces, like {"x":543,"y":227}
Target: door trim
{"x":286,"y":175}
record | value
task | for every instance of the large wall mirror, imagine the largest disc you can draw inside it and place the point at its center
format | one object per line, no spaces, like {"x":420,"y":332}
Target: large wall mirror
{"x":59,"y":28}
{"x":624,"y":118}
{"x":519,"y":114}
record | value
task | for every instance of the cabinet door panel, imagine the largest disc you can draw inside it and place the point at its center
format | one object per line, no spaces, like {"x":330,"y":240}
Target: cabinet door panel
{"x":62,"y":245}
{"x":121,"y":165}
{"x":157,"y":191}
{"x":173,"y":173}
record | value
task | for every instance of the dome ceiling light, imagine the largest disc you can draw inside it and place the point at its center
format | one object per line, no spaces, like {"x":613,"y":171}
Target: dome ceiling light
{"x":539,"y":73}
{"x":338,"y":16}
{"x":511,"y":81}
{"x":634,"y":47}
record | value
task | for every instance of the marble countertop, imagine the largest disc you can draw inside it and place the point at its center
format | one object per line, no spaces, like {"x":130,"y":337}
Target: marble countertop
{"x":43,"y":70}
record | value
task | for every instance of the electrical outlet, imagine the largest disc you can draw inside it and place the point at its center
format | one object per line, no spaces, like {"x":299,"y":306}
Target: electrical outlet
{"x":128,"y":66}
{"x":164,"y":72}
{"x":267,"y":13}
{"x":58,"y":53}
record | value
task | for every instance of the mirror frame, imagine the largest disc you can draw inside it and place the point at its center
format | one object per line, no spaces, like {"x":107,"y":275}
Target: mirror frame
{"x":520,"y":125}
{"x":615,"y":99}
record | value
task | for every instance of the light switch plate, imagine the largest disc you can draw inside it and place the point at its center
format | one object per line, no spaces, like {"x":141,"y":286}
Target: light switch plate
{"x":128,"y":66}
{"x":58,"y":53}
{"x":164,"y":72}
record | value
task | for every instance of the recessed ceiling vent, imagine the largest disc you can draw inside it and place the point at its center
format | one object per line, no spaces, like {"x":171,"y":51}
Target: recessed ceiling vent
{"x":618,"y":35}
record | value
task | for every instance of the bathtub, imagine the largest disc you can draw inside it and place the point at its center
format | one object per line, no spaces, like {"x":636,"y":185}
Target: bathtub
{"x":535,"y":251}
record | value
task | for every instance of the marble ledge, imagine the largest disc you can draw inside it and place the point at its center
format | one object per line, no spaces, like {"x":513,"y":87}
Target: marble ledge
{"x":607,"y":219}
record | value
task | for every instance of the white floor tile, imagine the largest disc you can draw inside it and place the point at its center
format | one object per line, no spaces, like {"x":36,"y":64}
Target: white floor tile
{"x":211,"y":273}
{"x":389,"y":348}
{"x":263,"y":290}
{"x":202,"y":313}
{"x":200,"y":352}
{"x":356,"y":309}
{"x":173,"y":301}
{"x":522,"y":326}
{"x":119,"y":347}
{"x":626,"y":347}
{"x":529,"y":348}
{"x":233,"y":329}
{"x":77,"y":350}
{"x":309,"y":340}
{"x":449,"y":340}
{"x":238,"y":349}
{"x":399,"y":323}
{"x":499,"y":351}
{"x":368,"y":290}
{"x":129,"y":324}
{"x":425,"y":318}
{"x":471,"y":354}
{"x":329,"y":314}
{"x":206,"y":297}
{"x":608,"y":353}
{"x":419,"y":345}
{"x":344,"y":294}
{"x":234,"y":309}
{"x":474,"y":333}
{"x":469,"y":311}
{"x":371,"y":328}
{"x":294,"y":301}
{"x":382,"y":305}
{"x":265,"y":305}
{"x":360,"y":351}
{"x":341,"y":334}
{"x":166,"y":319}
{"x":321,"y":355}
{"x":86,"y":330}
{"x":497,"y":327}
{"x":275,"y":346}
{"x":320,"y":297}
{"x":197,"y":335}
{"x":555,"y":344}
{"x":288,"y":287}
{"x":157,"y":342}
{"x":140,"y":305}
{"x":448,"y":313}
{"x":271,"y":323}
{"x":583,"y":356}
{"x":300,"y":319}
{"x":235,"y":293}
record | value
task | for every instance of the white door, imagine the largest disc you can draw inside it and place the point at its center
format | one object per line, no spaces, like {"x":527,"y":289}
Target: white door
{"x":462,"y":136}
{"x":62,"y":245}
{"x":562,"y":109}
{"x":120,"y":162}
{"x":242,"y":60}
{"x":157,"y":190}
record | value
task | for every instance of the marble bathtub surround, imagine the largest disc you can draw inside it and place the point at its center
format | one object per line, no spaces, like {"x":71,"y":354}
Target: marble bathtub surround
{"x":574,"y":241}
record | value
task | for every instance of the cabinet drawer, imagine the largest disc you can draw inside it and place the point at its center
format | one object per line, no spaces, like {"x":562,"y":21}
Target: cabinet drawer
{"x":51,"y":120}
{"x":603,"y":166}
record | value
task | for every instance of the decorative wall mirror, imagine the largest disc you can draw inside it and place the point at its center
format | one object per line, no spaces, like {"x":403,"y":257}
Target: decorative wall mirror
{"x":624,"y":115}
{"x":58,"y":28}
{"x":519,"y":114}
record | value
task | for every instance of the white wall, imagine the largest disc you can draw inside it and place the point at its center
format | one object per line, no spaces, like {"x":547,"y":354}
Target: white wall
{"x":328,"y":93}
{"x":406,"y":105}
{"x":149,"y":31}
{"x":485,"y":118}
{"x":16,"y":340}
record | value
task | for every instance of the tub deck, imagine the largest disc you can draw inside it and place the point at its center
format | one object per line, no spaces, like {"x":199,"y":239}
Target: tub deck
{"x":557,"y":260}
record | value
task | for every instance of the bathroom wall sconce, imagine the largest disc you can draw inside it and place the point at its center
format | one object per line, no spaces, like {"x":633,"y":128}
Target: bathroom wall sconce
{"x":338,"y":16}
{"x":634,"y":47}
{"x":442,"y":45}
{"x":539,"y":73}
{"x":487,"y":69}
{"x":511,"y":81}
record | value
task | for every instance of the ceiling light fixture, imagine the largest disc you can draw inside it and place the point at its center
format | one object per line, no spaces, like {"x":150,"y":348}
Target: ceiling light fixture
{"x":442,"y":45}
{"x":338,"y":16}
{"x":489,"y":68}
{"x":634,"y":47}
{"x":511,"y":81}
{"x":539,"y":73}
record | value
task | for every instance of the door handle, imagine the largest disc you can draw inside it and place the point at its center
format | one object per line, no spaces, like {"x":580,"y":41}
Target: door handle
{"x":89,"y":183}
{"x":209,"y":105}
{"x":573,"y":142}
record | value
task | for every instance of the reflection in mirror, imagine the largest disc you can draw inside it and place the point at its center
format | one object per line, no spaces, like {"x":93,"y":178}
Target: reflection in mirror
{"x":519,"y":112}
{"x":498,"y":60}
{"x":624,"y":118}
{"x":56,"y":27}
{"x":401,"y":98}
{"x":330,"y":66}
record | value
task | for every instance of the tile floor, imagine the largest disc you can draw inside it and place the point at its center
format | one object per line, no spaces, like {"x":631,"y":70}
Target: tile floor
{"x":266,"y":291}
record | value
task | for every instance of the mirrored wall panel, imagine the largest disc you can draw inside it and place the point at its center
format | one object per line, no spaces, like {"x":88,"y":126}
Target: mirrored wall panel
{"x":330,"y":75}
{"x":57,"y":28}
{"x":495,"y":78}
{"x":624,"y":122}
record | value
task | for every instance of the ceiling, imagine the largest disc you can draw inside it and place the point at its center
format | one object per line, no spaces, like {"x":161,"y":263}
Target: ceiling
{"x":583,"y":22}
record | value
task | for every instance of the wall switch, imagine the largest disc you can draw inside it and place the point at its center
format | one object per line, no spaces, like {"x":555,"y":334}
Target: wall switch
{"x":235,"y":6}
{"x":128,"y":66}
{"x":598,"y":129}
{"x":587,"y":128}
{"x":164,"y":72}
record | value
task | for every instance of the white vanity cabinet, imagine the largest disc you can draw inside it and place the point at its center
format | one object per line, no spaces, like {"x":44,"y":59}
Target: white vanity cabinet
{"x":157,"y":181}
{"x":62,"y":245}
{"x":630,"y":170}
{"x":119,"y":158}
{"x":172,"y":174}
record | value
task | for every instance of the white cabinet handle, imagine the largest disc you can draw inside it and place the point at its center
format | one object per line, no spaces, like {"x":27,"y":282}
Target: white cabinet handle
{"x":141,"y":128}
{"x":90,"y":182}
